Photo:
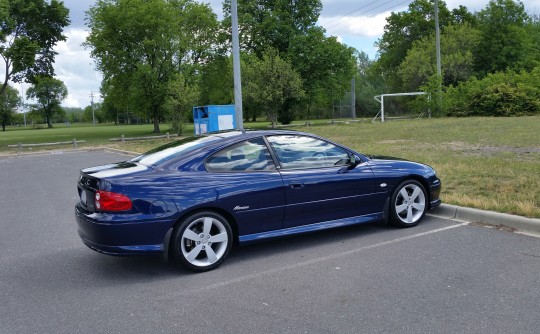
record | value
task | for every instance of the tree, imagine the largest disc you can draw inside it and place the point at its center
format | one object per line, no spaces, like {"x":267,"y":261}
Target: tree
{"x":141,"y":45}
{"x":505,"y":43}
{"x":180,"y":100}
{"x":216,"y":81}
{"x":404,"y":28}
{"x":457,"y":45}
{"x":271,"y":84}
{"x":49,"y":94}
{"x":325,"y":65}
{"x":272,"y":23}
{"x":29,"y":30}
{"x":368,"y":85}
{"x":9,"y":101}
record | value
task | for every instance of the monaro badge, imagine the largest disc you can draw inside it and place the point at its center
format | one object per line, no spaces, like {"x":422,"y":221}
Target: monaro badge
{"x":236,"y":208}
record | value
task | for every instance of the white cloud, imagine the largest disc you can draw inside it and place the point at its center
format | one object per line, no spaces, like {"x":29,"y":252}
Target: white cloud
{"x":361,"y":26}
{"x":75,"y":68}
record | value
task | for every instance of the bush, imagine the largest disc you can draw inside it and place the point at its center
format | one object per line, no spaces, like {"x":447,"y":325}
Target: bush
{"x":499,"y":94}
{"x":502,"y":100}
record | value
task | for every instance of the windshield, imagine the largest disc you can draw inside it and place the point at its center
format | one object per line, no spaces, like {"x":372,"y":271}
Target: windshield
{"x":166,"y":152}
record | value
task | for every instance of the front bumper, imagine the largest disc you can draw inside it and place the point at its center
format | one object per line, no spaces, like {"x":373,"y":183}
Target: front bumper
{"x":434,"y":193}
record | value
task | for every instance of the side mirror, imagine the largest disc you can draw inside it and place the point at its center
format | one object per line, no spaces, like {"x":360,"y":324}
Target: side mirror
{"x":350,"y":163}
{"x":354,"y":161}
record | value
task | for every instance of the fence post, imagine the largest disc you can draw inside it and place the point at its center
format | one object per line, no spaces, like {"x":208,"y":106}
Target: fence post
{"x":167,"y":135}
{"x":75,"y":143}
{"x":123,"y":139}
{"x":20,"y":148}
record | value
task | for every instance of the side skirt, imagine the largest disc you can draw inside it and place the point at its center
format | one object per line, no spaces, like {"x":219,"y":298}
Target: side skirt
{"x":312,"y":228}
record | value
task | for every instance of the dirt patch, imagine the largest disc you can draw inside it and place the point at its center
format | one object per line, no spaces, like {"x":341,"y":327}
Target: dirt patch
{"x":499,"y":227}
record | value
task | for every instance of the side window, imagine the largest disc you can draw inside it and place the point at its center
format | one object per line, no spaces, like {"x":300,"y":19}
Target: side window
{"x":307,"y":152}
{"x":251,"y":155}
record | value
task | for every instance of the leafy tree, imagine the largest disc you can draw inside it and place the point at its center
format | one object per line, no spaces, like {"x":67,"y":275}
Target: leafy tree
{"x":271,"y":84}
{"x":216,"y":82}
{"x":8,"y":104}
{"x":180,"y":100}
{"x":49,"y":94}
{"x":457,"y":45}
{"x":368,"y":85}
{"x":505,"y":43}
{"x":325,"y":65}
{"x":141,"y":45}
{"x":272,"y":23}
{"x":29,"y":30}
{"x":404,"y":28}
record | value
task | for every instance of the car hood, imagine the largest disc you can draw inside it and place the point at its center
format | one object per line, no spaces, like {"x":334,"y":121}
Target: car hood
{"x":384,"y":157}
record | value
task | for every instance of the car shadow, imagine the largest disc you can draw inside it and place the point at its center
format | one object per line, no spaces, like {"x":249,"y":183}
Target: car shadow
{"x":81,"y":268}
{"x":304,"y":243}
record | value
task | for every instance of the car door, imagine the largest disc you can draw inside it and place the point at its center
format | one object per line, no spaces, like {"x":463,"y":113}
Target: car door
{"x":248,"y":186}
{"x":319,"y":186}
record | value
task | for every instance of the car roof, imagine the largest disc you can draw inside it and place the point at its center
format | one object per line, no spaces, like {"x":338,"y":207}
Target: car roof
{"x":230,"y":136}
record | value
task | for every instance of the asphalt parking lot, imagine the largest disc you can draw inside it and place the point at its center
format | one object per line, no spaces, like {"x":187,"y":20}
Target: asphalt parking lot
{"x":439,"y":277}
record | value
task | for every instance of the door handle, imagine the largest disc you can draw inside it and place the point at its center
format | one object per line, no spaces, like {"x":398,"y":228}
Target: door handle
{"x":296,"y":185}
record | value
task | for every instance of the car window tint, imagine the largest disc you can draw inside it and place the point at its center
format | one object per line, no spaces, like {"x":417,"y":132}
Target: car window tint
{"x":251,"y":155}
{"x":306,"y":152}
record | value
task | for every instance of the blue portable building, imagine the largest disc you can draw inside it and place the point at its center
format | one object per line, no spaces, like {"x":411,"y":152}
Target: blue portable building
{"x":213,"y":118}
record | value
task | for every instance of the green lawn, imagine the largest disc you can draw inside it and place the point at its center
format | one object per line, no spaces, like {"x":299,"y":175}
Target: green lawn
{"x":486,"y":163}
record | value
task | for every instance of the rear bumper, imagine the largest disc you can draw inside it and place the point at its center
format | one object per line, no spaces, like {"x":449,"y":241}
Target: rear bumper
{"x":122,"y":238}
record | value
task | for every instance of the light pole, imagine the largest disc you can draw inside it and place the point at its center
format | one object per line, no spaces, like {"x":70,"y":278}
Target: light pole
{"x":438,"y":50}
{"x":236,"y":67}
{"x":92,"y":106}
{"x":23,"y":105}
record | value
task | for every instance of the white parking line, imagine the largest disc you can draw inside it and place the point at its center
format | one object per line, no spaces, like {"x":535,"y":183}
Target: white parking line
{"x":317,"y":260}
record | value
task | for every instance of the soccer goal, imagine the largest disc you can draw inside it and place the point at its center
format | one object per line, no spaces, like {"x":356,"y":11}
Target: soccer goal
{"x":380,"y":99}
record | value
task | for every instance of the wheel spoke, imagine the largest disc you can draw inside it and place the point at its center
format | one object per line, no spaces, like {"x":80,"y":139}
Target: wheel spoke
{"x":419,"y":206}
{"x":409,"y":216}
{"x":222,"y":237}
{"x":194,"y":253}
{"x":189,"y":234}
{"x":403,"y":193}
{"x":207,"y":225}
{"x":401,"y":208}
{"x":210,"y":254}
{"x":415,"y":193}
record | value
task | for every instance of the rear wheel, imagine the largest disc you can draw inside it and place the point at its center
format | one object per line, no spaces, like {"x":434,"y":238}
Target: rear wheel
{"x":408,"y":204}
{"x":202,"y":241}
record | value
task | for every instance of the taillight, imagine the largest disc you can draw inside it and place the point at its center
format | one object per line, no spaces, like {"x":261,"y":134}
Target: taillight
{"x":109,"y":201}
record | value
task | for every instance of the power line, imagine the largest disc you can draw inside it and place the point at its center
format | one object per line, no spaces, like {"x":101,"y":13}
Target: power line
{"x":364,"y":12}
{"x":371,"y":15}
{"x":354,"y":11}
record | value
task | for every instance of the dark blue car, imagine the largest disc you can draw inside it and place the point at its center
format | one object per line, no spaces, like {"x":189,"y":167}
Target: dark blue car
{"x":196,"y":197}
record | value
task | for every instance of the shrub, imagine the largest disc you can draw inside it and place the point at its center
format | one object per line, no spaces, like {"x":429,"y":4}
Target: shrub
{"x":498,"y":94}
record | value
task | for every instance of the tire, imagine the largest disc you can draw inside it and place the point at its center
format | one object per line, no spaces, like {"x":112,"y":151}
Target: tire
{"x":202,"y":241}
{"x":408,"y":204}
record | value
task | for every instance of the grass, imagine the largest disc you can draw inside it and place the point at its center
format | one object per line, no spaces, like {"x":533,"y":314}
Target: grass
{"x":486,"y":163}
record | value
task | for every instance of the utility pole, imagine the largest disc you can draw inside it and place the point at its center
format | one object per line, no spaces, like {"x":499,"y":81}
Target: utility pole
{"x":236,"y":67}
{"x":438,"y":50}
{"x":92,"y":105}
{"x":353,"y":98}
{"x":23,"y":105}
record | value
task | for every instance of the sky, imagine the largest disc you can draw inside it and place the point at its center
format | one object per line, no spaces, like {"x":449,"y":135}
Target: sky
{"x":357,"y":23}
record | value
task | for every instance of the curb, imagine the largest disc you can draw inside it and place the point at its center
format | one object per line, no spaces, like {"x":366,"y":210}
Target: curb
{"x":530,"y":226}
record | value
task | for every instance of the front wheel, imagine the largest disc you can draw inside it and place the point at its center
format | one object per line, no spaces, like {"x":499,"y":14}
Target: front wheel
{"x":408,"y":204}
{"x":202,"y":241}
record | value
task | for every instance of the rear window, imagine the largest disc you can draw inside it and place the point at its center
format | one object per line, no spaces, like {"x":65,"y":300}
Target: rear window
{"x":164,"y":153}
